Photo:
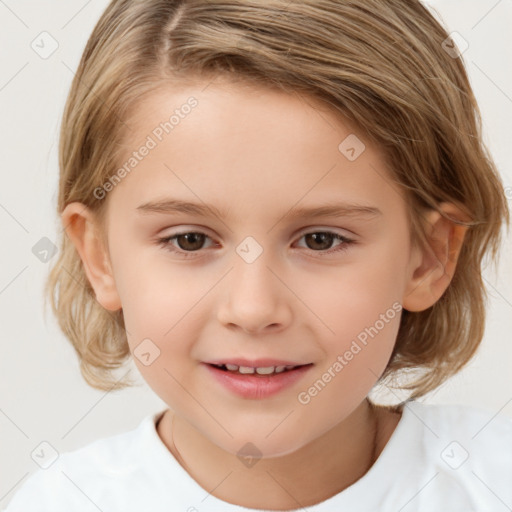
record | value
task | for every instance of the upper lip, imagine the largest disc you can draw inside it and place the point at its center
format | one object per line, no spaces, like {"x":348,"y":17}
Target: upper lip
{"x":254,"y":363}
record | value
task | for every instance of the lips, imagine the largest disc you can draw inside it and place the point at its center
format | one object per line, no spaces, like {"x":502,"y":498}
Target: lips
{"x":255,"y":363}
{"x":256,"y":382}
{"x":255,"y":367}
{"x":249,"y":370}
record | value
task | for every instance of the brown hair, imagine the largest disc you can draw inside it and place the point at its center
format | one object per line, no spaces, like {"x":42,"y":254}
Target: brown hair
{"x":381,"y":64}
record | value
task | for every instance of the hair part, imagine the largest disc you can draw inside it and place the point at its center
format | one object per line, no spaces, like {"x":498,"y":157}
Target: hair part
{"x":378,"y":64}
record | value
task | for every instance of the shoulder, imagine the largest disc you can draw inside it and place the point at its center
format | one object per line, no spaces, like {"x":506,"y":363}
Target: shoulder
{"x":467,"y":450}
{"x":475,"y":425}
{"x":466,"y":429}
{"x":76,"y":477}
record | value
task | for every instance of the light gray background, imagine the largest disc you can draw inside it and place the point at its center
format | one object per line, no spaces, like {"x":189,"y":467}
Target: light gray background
{"x":42,"y":394}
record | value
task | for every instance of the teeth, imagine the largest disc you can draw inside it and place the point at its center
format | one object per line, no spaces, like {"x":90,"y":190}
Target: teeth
{"x":266,"y":370}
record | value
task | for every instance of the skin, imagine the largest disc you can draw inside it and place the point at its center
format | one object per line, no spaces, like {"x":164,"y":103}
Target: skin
{"x":258,"y":153}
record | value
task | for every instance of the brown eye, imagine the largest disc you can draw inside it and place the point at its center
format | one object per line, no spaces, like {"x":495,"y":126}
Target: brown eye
{"x":185,"y":244}
{"x":190,"y":241}
{"x":319,"y":241}
{"x":326,"y":242}
{"x":189,"y":244}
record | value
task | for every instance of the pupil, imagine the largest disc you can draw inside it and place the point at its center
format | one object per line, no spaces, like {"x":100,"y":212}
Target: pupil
{"x":195,"y":239}
{"x":325,"y":239}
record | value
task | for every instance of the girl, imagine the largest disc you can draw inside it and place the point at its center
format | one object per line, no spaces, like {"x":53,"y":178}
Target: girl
{"x":273,"y":207}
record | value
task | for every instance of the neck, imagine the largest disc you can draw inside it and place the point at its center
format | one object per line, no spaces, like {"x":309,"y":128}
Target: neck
{"x":314,"y":473}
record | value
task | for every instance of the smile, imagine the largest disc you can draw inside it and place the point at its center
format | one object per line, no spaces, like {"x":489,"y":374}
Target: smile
{"x":256,"y":382}
{"x":263,"y":370}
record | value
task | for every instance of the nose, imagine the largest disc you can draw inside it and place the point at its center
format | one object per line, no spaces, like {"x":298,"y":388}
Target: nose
{"x":255,"y":299}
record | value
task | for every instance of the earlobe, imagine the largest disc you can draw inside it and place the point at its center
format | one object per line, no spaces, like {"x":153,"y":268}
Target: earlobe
{"x":83,"y":230}
{"x":433,"y":268}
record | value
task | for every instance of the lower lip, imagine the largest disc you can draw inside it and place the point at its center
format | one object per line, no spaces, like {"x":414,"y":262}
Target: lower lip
{"x":257,"y":386}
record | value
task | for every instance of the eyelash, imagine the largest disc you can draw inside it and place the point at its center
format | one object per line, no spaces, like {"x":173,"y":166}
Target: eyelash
{"x":165,"y":243}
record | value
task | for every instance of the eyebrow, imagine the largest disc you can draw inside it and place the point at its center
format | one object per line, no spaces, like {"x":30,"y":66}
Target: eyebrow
{"x":331,"y":209}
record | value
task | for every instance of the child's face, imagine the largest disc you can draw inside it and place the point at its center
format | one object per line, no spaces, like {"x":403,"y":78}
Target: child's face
{"x":256,"y":156}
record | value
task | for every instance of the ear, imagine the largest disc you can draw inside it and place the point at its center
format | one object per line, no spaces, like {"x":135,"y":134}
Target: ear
{"x":84,"y":231}
{"x":432,"y":268}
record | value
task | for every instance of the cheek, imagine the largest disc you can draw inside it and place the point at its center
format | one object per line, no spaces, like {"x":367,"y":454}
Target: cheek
{"x":162,"y":322}
{"x":360,"y":308}
{"x":164,"y":312}
{"x":361,"y":293}
{"x":365,"y":328}
{"x":155,"y":293}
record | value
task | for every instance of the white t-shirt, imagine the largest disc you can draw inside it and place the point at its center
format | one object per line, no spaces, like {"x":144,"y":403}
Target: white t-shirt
{"x":439,"y":458}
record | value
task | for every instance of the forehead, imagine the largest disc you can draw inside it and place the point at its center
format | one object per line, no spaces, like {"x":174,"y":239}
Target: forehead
{"x":238,"y":107}
{"x":250,"y":144}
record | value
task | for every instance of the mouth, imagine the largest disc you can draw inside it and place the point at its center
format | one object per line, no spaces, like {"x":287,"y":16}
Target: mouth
{"x":257,"y":370}
{"x":256,"y":382}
